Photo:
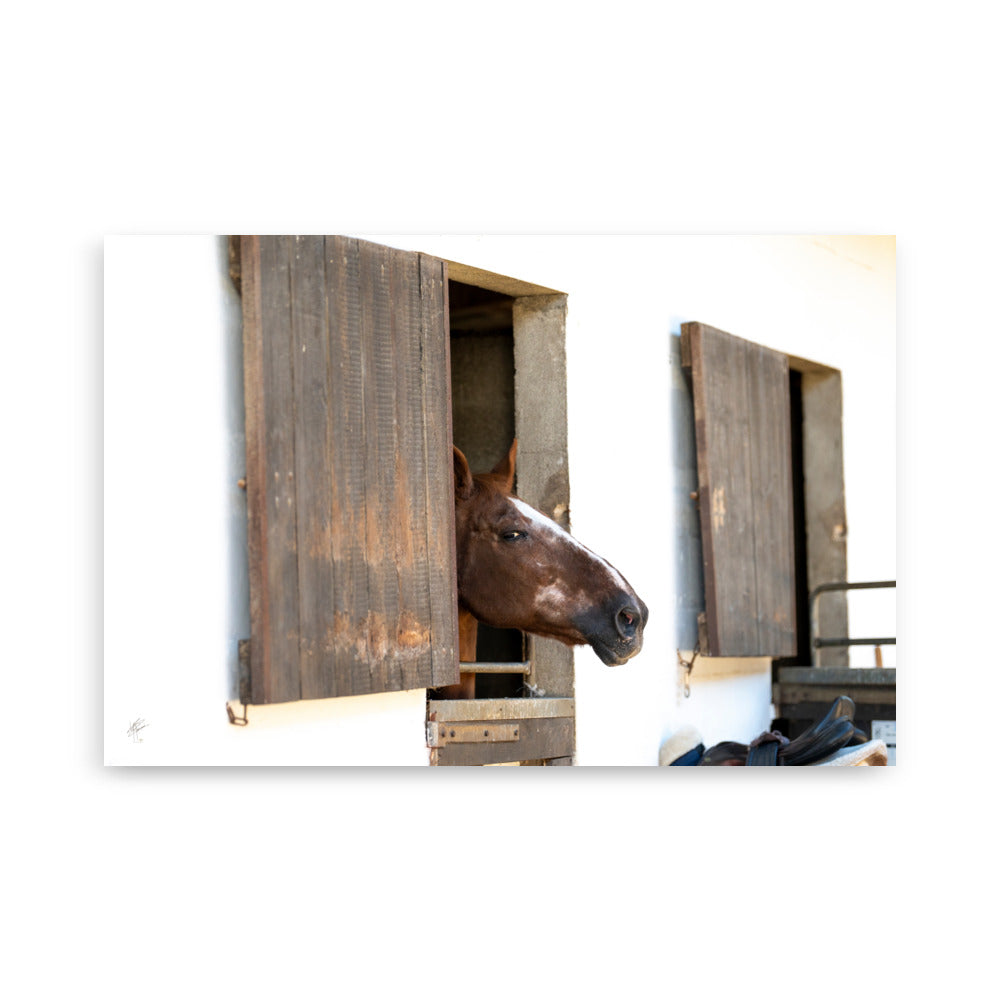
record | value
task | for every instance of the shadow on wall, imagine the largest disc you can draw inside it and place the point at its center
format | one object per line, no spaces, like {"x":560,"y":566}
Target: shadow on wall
{"x":688,"y":569}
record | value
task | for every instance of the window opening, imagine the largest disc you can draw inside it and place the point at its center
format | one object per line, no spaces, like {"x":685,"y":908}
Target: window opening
{"x":508,"y":378}
{"x":483,"y":426}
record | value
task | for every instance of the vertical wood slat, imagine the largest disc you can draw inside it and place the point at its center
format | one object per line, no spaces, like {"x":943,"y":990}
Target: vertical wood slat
{"x":721,"y":436}
{"x":349,"y":537}
{"x":314,"y":435}
{"x":256,"y":425}
{"x":411,"y":514}
{"x":744,"y":486}
{"x":279,"y":465}
{"x":436,"y":384}
{"x":771,"y":480}
{"x":380,"y":447}
{"x":350,"y":498}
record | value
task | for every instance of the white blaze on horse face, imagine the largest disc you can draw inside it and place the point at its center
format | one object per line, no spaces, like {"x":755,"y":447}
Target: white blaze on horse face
{"x":555,"y":595}
{"x":554,"y":598}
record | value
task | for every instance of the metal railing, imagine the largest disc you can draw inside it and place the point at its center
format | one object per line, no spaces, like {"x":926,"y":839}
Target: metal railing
{"x":820,"y":642}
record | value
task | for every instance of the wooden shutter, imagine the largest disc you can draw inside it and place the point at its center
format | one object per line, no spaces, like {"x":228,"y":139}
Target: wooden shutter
{"x":743,"y":436}
{"x":349,"y":469}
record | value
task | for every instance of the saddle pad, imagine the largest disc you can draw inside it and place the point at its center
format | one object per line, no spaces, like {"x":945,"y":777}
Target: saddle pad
{"x":874,"y":753}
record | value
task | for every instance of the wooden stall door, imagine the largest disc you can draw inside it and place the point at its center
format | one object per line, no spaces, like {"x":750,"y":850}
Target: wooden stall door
{"x":743,"y":437}
{"x":349,"y":469}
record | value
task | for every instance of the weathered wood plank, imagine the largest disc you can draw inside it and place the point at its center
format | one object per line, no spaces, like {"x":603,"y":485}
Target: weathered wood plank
{"x":380,"y":468}
{"x":253,"y":394}
{"x":826,"y":513}
{"x":543,"y":457}
{"x":718,"y":364}
{"x":313,"y":415}
{"x":435,"y":366}
{"x":279,"y":485}
{"x":413,"y":626}
{"x":864,"y":712}
{"x":837,"y":675}
{"x":499,"y":708}
{"x":538,"y":739}
{"x":348,"y":479}
{"x":769,"y":408}
{"x":797,"y":686}
{"x":822,"y":694}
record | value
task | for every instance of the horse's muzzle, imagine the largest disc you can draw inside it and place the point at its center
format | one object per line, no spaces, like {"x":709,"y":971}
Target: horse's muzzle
{"x":616,"y":637}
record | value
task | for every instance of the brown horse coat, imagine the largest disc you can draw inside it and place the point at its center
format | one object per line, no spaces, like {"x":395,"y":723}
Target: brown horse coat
{"x":518,"y":568}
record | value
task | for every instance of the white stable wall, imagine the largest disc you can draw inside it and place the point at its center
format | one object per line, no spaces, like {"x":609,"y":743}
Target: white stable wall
{"x":175,"y":578}
{"x":827,"y":299}
{"x":176,"y":590}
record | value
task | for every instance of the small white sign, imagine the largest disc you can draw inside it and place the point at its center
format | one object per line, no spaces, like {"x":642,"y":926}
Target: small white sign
{"x":885,"y":730}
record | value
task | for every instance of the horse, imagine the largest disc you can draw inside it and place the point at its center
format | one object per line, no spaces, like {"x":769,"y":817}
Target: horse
{"x":519,"y":569}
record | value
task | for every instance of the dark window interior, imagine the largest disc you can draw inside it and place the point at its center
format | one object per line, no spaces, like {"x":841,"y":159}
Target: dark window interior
{"x":802,"y":657}
{"x":482,"y":388}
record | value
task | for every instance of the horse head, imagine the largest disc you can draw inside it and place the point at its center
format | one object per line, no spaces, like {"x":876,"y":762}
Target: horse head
{"x":519,"y":569}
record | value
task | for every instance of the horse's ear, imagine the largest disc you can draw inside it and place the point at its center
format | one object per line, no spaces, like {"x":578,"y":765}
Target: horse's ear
{"x":505,"y":467}
{"x":463,"y":476}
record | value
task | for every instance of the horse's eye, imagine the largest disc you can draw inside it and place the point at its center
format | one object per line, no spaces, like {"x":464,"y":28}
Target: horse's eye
{"x":513,"y":536}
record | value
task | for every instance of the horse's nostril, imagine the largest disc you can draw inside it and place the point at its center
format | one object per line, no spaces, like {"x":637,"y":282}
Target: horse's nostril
{"x":625,"y":622}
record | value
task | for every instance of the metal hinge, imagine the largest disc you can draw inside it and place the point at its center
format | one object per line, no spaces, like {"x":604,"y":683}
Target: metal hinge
{"x":243,"y":656}
{"x":486,"y":731}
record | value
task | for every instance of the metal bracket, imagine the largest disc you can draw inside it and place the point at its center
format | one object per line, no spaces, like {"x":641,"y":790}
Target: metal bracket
{"x":441,"y":733}
{"x":232,"y":716}
{"x":688,"y":666}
